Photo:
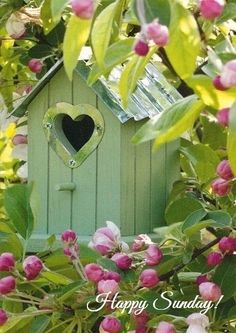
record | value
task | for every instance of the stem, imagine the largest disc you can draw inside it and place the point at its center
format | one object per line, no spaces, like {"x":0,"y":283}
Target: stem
{"x":31,"y":298}
{"x":78,"y":270}
{"x":19,"y":300}
{"x":58,"y":325}
{"x":141,"y":12}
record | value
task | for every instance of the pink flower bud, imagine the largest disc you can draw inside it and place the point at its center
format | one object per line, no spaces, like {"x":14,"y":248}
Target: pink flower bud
{"x":220,"y":187}
{"x":110,"y":325}
{"x":7,"y":262}
{"x":112,"y":276}
{"x":35,"y":65}
{"x":224,"y":170}
{"x":228,"y":74}
{"x":153,"y":255}
{"x":19,"y":139}
{"x":32,"y":266}
{"x":15,"y":27}
{"x":210,"y":9}
{"x":218,"y":84}
{"x":165,"y":327}
{"x":141,"y":328}
{"x":201,"y":279}
{"x":108,"y":286}
{"x":72,"y":251}
{"x":7,"y":285}
{"x":227,"y":245}
{"x":214,"y":259}
{"x":209,"y":291}
{"x":142,"y":318}
{"x":149,"y":278}
{"x":94,"y":272}
{"x":223,"y":117}
{"x":69,"y":236}
{"x":83,"y":8}
{"x":141,"y":242}
{"x":141,"y":48}
{"x":123,"y":261}
{"x":3,"y":317}
{"x":158,"y":33}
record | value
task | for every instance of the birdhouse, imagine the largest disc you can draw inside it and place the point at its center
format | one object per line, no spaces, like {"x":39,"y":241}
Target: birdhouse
{"x":81,"y":159}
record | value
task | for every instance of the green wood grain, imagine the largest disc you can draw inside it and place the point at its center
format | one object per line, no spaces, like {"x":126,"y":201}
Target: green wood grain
{"x":172,"y":164}
{"x":127,"y":165}
{"x":143,"y":186}
{"x":60,"y":89}
{"x":38,"y":158}
{"x":108,"y":169}
{"x":84,"y":197}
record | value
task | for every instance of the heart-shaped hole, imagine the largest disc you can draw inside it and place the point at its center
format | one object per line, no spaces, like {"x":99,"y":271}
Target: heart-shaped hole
{"x":77,"y":132}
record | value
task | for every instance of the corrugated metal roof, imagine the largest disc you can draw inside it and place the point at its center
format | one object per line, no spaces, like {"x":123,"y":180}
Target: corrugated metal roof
{"x":152,"y":95}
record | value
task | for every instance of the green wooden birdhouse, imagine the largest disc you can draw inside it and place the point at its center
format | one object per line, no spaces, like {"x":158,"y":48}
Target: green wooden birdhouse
{"x":85,"y":168}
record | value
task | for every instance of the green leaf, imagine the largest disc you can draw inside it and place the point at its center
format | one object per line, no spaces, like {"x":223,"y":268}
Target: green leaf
{"x":40,"y":50}
{"x":229,"y":13}
{"x":57,"y":7}
{"x":221,"y":218}
{"x":194,"y":218}
{"x":155,"y":9}
{"x":184,"y":44}
{"x":39,"y":324}
{"x":130,"y":75}
{"x":225,"y":277}
{"x":101,"y":32}
{"x":203,"y":87}
{"x":231,"y":140}
{"x":69,"y":290}
{"x":88,"y":255}
{"x":171,"y":123}
{"x":116,"y":54}
{"x":107,"y":264}
{"x":46,"y":16}
{"x":18,"y":207}
{"x":76,"y":36}
{"x":56,"y":278}
{"x":180,"y":209}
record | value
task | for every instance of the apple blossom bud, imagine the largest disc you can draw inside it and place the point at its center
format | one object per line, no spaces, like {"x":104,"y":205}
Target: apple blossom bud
{"x":211,"y":9}
{"x":209,"y":291}
{"x":3,"y":317}
{"x":35,"y":65}
{"x":123,"y":261}
{"x":7,"y":285}
{"x":83,"y":8}
{"x":141,"y":48}
{"x":218,"y":84}
{"x":201,"y":279}
{"x":69,"y":236}
{"x":165,"y":327}
{"x":220,"y":187}
{"x":157,"y":32}
{"x":110,"y":325}
{"x":224,"y":170}
{"x":227,"y":245}
{"x":71,"y":251}
{"x":94,"y":272}
{"x":149,"y":278}
{"x":223,"y":117}
{"x":7,"y":262}
{"x":141,"y":318}
{"x":112,"y":276}
{"x":15,"y":27}
{"x":108,"y":286}
{"x":19,"y":139}
{"x":228,"y":74}
{"x":198,"y":323}
{"x":153,"y":255}
{"x":141,"y":242}
{"x":32,"y":266}
{"x":214,"y":259}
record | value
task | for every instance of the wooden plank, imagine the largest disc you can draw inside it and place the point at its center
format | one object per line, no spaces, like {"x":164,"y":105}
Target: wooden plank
{"x":158,"y":187}
{"x":143,"y":186}
{"x":60,"y":90}
{"x":128,"y":190}
{"x":38,"y":158}
{"x":84,"y":197}
{"x":173,"y":165}
{"x":108,"y":170}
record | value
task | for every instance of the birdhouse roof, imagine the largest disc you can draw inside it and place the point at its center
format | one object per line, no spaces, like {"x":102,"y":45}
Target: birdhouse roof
{"x":153,"y":94}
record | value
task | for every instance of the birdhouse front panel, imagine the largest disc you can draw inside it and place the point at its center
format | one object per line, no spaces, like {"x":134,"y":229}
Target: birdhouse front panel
{"x":117,"y":181}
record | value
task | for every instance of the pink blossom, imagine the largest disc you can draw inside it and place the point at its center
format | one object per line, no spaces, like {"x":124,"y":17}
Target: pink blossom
{"x":224,"y":170}
{"x":157,"y":32}
{"x":214,"y":259}
{"x":35,"y":65}
{"x":7,"y":262}
{"x":3,"y":317}
{"x":198,"y":323}
{"x":149,"y":278}
{"x":153,"y":255}
{"x":110,"y":325}
{"x":165,"y":327}
{"x":15,"y":27}
{"x":108,"y":286}
{"x":209,"y":291}
{"x":217,"y":83}
{"x":123,"y":261}
{"x":19,"y":139}
{"x":69,"y":236}
{"x":72,"y":251}
{"x":210,"y":9}
{"x":108,"y":239}
{"x":223,"y":117}
{"x":201,"y":279}
{"x":7,"y":285}
{"x":32,"y":267}
{"x":220,"y":187}
{"x":112,"y":276}
{"x":228,"y":74}
{"x":227,"y":245}
{"x":83,"y":8}
{"x":94,"y":272}
{"x":141,"y":48}
{"x":141,"y":242}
